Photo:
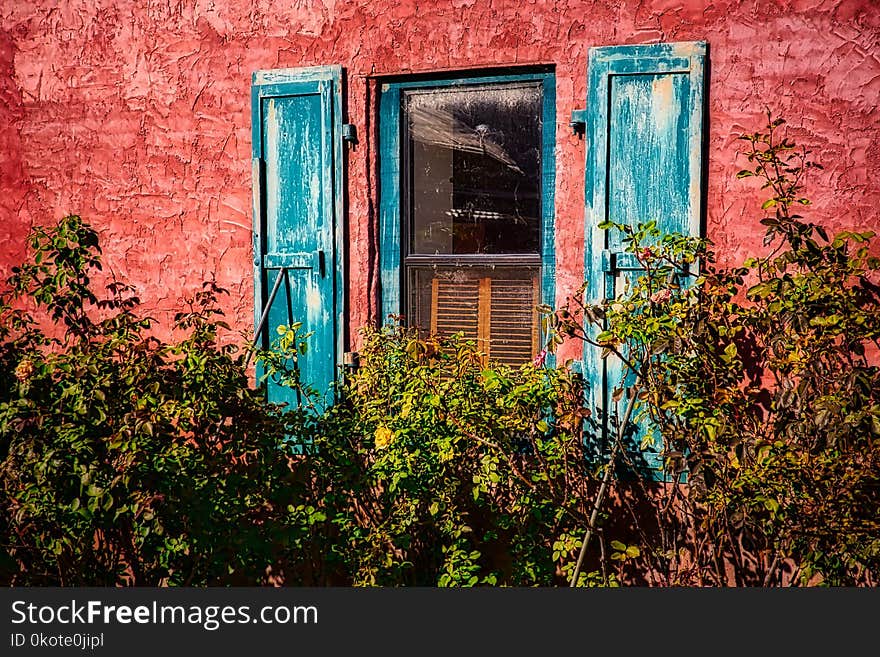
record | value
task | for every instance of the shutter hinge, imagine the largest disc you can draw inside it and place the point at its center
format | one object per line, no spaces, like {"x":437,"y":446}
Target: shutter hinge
{"x":351,"y":360}
{"x":609,"y":260}
{"x":349,"y":133}
{"x":322,"y":268}
{"x":578,"y":122}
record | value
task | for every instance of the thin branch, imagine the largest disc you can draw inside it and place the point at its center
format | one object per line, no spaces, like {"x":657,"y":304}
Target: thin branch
{"x":606,"y":478}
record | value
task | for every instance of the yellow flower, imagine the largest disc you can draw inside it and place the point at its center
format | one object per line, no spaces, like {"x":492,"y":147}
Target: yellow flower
{"x":383,"y":437}
{"x":24,"y":370}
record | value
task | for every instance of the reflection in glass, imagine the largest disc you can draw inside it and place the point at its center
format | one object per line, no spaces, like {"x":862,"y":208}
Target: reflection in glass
{"x":474,"y":161}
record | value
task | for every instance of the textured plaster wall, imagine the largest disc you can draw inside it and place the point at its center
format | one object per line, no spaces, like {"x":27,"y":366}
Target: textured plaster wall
{"x":136,"y":114}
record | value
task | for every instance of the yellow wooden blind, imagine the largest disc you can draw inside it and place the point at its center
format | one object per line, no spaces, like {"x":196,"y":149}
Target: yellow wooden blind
{"x":498,"y":313}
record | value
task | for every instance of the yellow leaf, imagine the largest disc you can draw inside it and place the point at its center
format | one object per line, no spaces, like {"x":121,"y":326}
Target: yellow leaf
{"x":383,"y":437}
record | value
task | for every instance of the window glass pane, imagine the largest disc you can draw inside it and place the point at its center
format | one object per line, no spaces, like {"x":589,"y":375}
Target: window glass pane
{"x":494,"y":306}
{"x":473,"y":169}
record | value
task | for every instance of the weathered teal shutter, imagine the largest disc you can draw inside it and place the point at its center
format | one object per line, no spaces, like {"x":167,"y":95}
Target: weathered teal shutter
{"x":297,"y":130}
{"x":644,"y":130}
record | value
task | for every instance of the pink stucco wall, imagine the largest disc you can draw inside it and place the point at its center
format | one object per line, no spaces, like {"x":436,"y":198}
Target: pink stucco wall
{"x":136,"y":115}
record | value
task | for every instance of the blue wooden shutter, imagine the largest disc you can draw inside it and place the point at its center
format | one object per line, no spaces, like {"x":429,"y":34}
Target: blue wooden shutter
{"x":297,"y":130}
{"x":644,"y":126}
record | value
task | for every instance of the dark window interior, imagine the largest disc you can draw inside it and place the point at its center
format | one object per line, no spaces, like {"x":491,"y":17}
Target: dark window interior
{"x":471,"y":199}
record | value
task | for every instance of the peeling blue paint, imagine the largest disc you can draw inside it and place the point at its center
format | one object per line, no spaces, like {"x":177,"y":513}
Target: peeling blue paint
{"x":645,"y":126}
{"x":297,"y":120}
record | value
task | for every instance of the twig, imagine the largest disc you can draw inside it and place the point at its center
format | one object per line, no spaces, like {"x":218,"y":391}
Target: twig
{"x":771,"y":570}
{"x":600,"y":496}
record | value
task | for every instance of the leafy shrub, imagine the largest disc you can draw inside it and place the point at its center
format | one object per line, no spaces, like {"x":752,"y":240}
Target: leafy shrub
{"x":125,"y":459}
{"x":439,"y":470}
{"x":762,"y":384}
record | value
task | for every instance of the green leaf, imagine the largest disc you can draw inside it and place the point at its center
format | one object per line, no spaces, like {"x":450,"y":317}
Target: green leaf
{"x":771,"y":505}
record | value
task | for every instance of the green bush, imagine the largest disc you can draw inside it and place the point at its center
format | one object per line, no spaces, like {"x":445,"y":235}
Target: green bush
{"x":443,"y":471}
{"x":761,"y":385}
{"x":126,"y":460}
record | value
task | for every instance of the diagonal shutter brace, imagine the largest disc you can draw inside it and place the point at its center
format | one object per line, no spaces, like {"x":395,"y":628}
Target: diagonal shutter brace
{"x":262,"y":323}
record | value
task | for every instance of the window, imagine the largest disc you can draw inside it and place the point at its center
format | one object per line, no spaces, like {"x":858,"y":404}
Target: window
{"x":467,"y":207}
{"x":467,"y":174}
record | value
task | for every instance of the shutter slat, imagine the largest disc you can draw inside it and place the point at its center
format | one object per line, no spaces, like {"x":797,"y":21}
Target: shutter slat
{"x":498,"y":313}
{"x":514,"y":320}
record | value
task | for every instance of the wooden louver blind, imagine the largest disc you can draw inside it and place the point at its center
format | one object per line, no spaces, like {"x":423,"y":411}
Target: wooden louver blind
{"x":499,"y":314}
